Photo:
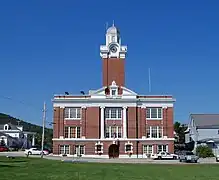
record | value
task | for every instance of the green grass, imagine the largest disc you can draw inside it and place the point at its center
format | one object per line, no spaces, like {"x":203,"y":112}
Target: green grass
{"x":42,"y":169}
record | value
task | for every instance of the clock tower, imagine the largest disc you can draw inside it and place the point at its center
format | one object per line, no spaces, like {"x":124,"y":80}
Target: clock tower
{"x":113,"y":55}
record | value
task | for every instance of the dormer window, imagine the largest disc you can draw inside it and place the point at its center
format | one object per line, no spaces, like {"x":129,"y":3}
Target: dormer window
{"x":113,"y":89}
{"x":5,"y":127}
{"x":113,"y":92}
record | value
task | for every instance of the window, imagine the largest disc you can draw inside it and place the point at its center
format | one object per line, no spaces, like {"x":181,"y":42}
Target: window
{"x":154,"y":113}
{"x":72,"y":132}
{"x":162,"y":148}
{"x":113,"y":132}
{"x":113,"y":39}
{"x":113,"y":113}
{"x":99,"y":148}
{"x":128,"y":147}
{"x":64,"y":149}
{"x":147,"y":149}
{"x":107,"y":135}
{"x":113,"y":92}
{"x":154,"y":132}
{"x":72,"y":113}
{"x":148,"y":134}
{"x":6,"y":127}
{"x":79,"y":150}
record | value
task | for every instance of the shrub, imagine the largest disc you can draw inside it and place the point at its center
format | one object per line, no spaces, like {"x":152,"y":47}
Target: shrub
{"x":204,"y":151}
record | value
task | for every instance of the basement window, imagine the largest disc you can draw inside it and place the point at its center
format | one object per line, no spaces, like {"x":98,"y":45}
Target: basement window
{"x":99,"y":148}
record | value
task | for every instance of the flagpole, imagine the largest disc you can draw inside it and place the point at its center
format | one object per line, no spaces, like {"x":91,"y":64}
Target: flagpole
{"x":149,"y":80}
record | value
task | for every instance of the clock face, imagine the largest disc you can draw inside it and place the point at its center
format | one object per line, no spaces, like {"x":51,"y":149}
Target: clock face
{"x":113,"y":49}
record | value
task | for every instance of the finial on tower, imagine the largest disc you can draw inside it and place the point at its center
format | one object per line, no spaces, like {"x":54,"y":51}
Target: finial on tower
{"x":113,"y":23}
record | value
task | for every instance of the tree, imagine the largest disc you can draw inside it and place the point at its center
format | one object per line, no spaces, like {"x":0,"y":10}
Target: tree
{"x":180,"y":131}
{"x":204,"y":151}
{"x":2,"y":142}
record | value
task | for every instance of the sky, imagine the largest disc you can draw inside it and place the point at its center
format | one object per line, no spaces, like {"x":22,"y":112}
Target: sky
{"x":49,"y":47}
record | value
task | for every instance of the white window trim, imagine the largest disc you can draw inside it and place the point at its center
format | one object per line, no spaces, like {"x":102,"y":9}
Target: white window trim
{"x":150,"y":135}
{"x":69,"y":112}
{"x":99,"y":144}
{"x":147,"y":148}
{"x":128,"y":143}
{"x":117,"y":114}
{"x":6,"y":129}
{"x":65,"y":148}
{"x":114,"y":89}
{"x":117,"y":132}
{"x":162,"y":147}
{"x":150,"y":118}
{"x":76,"y":129}
{"x":79,"y":149}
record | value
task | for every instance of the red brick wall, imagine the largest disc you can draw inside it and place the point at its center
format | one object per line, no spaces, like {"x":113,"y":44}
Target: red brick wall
{"x":93,"y":122}
{"x":84,"y":120}
{"x":113,"y":70}
{"x":61,"y":124}
{"x":131,"y":119}
{"x":168,"y":122}
{"x":58,"y":119}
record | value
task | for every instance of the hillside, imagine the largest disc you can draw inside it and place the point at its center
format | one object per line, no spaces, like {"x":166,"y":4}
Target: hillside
{"x":4,"y":118}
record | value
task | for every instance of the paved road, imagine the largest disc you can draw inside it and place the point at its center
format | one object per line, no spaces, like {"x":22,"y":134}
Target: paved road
{"x":103,"y":160}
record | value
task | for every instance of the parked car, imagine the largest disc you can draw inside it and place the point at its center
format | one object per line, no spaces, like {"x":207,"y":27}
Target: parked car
{"x":164,"y":155}
{"x":188,"y":156}
{"x":217,"y":158}
{"x":35,"y":151}
{"x":3,"y":149}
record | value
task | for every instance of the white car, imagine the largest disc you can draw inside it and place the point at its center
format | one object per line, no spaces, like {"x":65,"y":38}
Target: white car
{"x":217,"y":158}
{"x":164,"y":155}
{"x":35,"y":151}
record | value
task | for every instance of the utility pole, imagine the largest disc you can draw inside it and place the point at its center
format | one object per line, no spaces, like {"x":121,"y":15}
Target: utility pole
{"x":44,"y":120}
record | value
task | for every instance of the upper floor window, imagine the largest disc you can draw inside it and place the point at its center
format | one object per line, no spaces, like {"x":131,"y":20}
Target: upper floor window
{"x":113,"y":39}
{"x":113,"y":113}
{"x":6,"y":127}
{"x":72,"y":132}
{"x":113,"y":132}
{"x":154,"y":113}
{"x":113,"y":92}
{"x":154,"y":132}
{"x":72,"y":113}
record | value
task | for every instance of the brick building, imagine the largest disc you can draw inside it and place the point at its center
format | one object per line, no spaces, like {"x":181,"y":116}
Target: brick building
{"x":113,"y":121}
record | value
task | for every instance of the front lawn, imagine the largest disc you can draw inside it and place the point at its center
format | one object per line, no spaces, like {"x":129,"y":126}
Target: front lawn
{"x":42,"y":169}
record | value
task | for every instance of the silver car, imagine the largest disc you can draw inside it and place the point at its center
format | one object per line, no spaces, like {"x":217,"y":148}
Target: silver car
{"x":188,"y":157}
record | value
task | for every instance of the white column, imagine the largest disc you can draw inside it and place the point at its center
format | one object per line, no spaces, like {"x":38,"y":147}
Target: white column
{"x":124,"y":123}
{"x":102,"y":124}
{"x":33,"y":140}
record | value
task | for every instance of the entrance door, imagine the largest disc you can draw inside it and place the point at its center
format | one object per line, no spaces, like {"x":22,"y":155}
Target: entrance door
{"x":113,"y":151}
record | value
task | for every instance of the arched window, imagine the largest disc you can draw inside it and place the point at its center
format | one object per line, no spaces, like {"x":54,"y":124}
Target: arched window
{"x":5,"y":127}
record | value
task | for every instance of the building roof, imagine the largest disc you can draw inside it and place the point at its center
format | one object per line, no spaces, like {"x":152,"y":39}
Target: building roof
{"x":206,"y":120}
{"x":12,"y":127}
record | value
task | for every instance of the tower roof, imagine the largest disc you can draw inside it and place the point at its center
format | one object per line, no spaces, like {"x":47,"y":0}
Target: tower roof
{"x":113,"y":30}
